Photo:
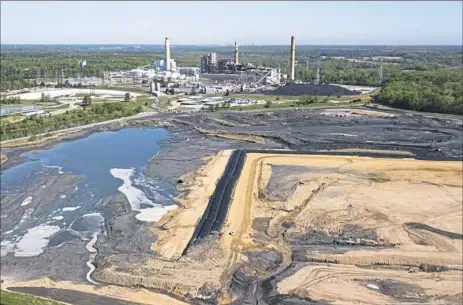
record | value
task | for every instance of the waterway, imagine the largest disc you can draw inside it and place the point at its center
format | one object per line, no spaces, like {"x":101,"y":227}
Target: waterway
{"x":107,"y":163}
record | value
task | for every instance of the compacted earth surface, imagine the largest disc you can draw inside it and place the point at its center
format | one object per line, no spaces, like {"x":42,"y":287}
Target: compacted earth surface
{"x":111,"y":212}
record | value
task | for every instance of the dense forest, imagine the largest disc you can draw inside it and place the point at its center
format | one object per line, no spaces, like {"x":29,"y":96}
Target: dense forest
{"x":424,"y":78}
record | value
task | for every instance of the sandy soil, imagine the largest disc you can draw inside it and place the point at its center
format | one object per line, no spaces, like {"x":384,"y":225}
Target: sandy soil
{"x":135,"y":295}
{"x":345,"y":284}
{"x":391,"y":212}
{"x":175,"y":229}
{"x":358,"y":112}
{"x":3,"y":158}
{"x":234,"y":136}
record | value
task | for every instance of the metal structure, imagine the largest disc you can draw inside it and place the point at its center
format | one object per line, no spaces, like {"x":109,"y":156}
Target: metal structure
{"x":292,"y":58}
{"x":209,"y":63}
{"x":236,"y":53}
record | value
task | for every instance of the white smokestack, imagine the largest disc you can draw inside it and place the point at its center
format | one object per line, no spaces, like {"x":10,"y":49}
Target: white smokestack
{"x":167,"y":60}
{"x":293,"y":58}
{"x":236,"y":53}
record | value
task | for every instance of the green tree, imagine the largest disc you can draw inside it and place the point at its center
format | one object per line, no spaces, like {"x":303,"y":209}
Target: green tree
{"x":217,"y":107}
{"x":87,"y":100}
{"x":268,"y":104}
{"x":44,"y":97}
{"x":127,"y":97}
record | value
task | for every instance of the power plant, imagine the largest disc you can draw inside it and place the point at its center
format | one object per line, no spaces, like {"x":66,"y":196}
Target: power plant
{"x":216,"y":74}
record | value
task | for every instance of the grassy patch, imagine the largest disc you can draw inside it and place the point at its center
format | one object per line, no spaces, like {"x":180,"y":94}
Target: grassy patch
{"x":13,"y":298}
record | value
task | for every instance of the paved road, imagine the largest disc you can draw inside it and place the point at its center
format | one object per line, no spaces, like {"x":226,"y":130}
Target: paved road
{"x":82,"y":127}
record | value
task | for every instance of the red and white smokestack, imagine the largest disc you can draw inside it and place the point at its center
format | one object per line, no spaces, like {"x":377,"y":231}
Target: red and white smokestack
{"x":236,"y":53}
{"x":293,"y":57}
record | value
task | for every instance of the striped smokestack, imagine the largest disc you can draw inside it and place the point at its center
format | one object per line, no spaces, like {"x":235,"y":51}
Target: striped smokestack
{"x":236,"y":53}
{"x":167,"y":60}
{"x":293,"y":57}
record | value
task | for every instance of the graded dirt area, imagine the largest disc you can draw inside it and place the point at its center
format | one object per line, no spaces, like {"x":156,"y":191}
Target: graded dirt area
{"x":373,"y":221}
{"x":385,"y":226}
{"x":71,"y":292}
{"x":175,"y":230}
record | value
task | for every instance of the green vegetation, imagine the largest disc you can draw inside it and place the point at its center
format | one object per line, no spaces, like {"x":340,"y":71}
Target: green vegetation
{"x":425,"y":91}
{"x":87,"y":100}
{"x":91,"y":114}
{"x":13,"y":298}
{"x":10,"y":100}
{"x":436,"y":70}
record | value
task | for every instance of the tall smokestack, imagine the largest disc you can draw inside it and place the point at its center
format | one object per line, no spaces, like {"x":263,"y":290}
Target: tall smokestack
{"x":167,"y":60}
{"x":236,"y":53}
{"x":293,"y":57}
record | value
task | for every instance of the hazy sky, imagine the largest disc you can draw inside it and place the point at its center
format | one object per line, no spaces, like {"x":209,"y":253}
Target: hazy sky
{"x":261,"y":22}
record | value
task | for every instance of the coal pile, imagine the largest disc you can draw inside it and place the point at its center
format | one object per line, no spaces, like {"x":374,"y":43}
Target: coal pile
{"x":311,"y":89}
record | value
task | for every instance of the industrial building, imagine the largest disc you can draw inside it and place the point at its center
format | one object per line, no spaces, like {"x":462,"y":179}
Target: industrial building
{"x":231,"y":70}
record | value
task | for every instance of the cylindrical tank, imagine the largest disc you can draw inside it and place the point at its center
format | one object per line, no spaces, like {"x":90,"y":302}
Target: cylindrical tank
{"x":157,"y":86}
{"x":152,"y":87}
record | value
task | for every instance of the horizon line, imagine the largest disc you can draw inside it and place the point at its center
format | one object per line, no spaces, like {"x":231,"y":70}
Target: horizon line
{"x":224,"y":45}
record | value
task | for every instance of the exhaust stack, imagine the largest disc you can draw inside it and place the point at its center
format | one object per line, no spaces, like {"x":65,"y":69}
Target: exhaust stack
{"x":167,"y":60}
{"x":293,"y":57}
{"x":236,"y":53}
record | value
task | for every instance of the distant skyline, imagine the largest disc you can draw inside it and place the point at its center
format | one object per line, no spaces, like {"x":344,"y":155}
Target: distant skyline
{"x":263,"y":23}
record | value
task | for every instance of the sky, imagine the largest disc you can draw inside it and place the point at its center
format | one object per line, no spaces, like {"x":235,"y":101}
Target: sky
{"x":223,"y":22}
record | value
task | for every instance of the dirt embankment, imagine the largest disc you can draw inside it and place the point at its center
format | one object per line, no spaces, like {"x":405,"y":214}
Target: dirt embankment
{"x":382,"y":224}
{"x":3,"y":158}
{"x":138,"y":295}
{"x":233,"y":136}
{"x":176,"y":228}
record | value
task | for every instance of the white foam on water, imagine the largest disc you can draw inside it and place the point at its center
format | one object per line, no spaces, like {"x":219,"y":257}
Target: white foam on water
{"x":8,"y":232}
{"x":59,"y":217}
{"x":62,"y":196}
{"x":170,"y":207}
{"x":68,"y":209}
{"x":155,"y":213}
{"x":44,"y":186}
{"x":135,"y":196}
{"x":26,"y":201}
{"x":27,"y":214}
{"x":4,"y":216}
{"x":35,"y":240}
{"x":151,"y":214}
{"x":76,"y":189}
{"x":6,"y":247}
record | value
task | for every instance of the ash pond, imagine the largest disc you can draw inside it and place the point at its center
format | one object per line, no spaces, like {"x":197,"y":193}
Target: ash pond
{"x":107,"y":163}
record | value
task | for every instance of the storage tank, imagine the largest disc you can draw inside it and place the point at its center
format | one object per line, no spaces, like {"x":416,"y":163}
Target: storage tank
{"x":152,"y":87}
